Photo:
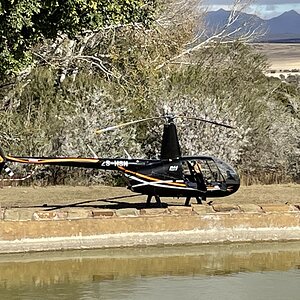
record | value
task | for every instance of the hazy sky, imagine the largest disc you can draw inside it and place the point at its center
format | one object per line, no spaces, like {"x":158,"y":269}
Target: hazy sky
{"x":263,"y":8}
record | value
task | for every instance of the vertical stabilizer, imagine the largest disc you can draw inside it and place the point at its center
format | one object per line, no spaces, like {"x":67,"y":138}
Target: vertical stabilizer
{"x":170,"y":148}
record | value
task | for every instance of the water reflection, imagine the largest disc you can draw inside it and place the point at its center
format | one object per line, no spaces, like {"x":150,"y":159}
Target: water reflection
{"x":117,"y":273}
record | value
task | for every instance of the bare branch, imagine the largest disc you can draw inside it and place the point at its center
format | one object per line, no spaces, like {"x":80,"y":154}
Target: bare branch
{"x":223,"y":35}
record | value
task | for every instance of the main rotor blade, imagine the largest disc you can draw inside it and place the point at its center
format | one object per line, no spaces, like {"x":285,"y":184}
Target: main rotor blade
{"x":126,"y":124}
{"x":110,"y":128}
{"x":206,"y":121}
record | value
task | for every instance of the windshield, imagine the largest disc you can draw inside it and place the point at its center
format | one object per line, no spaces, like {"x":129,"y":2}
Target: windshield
{"x":227,"y":171}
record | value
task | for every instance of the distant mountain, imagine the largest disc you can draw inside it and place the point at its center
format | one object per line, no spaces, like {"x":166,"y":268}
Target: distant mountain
{"x":283,"y":27}
{"x":217,"y":19}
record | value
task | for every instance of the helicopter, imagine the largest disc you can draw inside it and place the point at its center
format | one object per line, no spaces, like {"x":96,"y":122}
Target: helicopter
{"x":171,"y":175}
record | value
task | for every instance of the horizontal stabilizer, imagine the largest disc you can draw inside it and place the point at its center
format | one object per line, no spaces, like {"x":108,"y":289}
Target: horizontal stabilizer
{"x":8,"y":171}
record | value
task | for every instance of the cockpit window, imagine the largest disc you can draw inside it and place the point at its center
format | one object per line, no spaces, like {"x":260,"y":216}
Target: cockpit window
{"x":227,"y":171}
{"x":192,"y":174}
{"x":208,"y":173}
{"x":186,"y":168}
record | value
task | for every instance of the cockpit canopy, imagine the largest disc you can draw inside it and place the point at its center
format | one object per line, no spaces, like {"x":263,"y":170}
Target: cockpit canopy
{"x":216,"y":173}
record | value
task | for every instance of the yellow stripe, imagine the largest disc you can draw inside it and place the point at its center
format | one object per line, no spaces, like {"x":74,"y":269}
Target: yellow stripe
{"x":1,"y":159}
{"x":151,"y":178}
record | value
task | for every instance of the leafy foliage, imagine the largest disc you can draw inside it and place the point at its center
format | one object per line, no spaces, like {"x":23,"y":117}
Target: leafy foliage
{"x":24,"y":23}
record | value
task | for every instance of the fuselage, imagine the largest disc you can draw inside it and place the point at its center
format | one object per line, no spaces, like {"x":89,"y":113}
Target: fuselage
{"x":176,"y":178}
{"x":166,"y":177}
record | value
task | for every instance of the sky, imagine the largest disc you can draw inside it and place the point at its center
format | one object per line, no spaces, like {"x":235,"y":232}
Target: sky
{"x":265,"y":9}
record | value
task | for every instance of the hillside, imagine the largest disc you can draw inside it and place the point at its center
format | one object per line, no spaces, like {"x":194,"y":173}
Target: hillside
{"x":285,"y":27}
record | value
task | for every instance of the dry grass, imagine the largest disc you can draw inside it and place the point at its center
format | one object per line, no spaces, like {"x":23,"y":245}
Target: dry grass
{"x":262,"y":194}
{"x":99,"y":196}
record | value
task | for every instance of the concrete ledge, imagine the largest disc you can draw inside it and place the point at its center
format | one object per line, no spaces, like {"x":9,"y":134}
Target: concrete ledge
{"x":78,"y":228}
{"x":127,"y":212}
{"x":180,"y":210}
{"x":224,"y":207}
{"x":154,"y":212}
{"x":151,"y":239}
{"x":102,"y":213}
{"x":17,"y":214}
{"x":250,"y":208}
{"x":273,"y":208}
{"x":202,"y":209}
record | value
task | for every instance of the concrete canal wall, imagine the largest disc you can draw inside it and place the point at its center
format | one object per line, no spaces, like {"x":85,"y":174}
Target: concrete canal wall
{"x":23,"y":230}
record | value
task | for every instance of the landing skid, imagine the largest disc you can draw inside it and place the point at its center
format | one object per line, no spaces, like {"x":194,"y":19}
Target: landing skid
{"x":187,"y":201}
{"x":199,"y":200}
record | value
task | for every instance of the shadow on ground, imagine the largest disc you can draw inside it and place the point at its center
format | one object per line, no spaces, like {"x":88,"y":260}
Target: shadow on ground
{"x":105,"y":203}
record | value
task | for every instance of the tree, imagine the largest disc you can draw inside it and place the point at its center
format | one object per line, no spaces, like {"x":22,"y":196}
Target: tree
{"x":26,"y":23}
{"x":132,"y":72}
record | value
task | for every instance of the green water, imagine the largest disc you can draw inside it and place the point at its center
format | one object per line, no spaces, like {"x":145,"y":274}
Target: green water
{"x":236,"y":271}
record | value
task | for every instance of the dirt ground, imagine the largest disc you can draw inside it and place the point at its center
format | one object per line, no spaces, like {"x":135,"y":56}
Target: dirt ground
{"x":281,"y":56}
{"x":110,"y":197}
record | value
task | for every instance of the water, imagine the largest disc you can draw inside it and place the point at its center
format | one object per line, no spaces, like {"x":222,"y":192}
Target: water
{"x":236,"y":271}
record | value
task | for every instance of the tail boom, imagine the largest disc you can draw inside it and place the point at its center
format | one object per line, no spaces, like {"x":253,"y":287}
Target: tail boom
{"x":93,"y":163}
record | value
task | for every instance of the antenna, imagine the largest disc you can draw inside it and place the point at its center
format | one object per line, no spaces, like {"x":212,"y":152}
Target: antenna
{"x":93,"y":152}
{"x":128,"y":155}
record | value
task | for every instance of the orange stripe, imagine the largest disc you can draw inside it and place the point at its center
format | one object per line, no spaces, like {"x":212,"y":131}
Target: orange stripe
{"x":54,"y":160}
{"x":151,"y":178}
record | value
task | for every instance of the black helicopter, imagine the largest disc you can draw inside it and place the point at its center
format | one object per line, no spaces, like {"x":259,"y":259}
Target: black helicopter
{"x":173,"y":175}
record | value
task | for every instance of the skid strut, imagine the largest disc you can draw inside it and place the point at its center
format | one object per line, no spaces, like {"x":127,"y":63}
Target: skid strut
{"x":157,"y":199}
{"x":199,"y":200}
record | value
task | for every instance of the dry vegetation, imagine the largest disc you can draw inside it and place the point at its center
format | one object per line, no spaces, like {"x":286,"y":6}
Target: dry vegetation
{"x":117,"y":74}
